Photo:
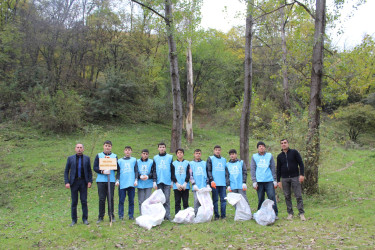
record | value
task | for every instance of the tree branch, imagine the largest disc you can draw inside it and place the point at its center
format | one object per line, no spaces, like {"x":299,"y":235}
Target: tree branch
{"x":151,"y":9}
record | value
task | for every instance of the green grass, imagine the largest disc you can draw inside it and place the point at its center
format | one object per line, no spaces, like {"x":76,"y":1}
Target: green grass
{"x":35,"y":206}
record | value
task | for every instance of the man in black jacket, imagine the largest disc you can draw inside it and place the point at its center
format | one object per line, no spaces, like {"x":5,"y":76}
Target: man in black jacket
{"x":291,"y":169}
{"x":78,"y":177}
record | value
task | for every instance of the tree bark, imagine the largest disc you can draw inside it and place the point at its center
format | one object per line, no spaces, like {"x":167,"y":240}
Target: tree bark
{"x":313,"y":138}
{"x":175,"y":81}
{"x":286,"y":103}
{"x":245,"y":116}
{"x":190,"y":96}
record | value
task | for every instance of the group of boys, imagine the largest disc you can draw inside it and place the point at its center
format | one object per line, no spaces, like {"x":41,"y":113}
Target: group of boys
{"x":163,"y":173}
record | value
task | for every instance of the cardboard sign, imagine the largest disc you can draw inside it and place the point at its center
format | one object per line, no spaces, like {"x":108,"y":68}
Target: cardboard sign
{"x":107,"y":164}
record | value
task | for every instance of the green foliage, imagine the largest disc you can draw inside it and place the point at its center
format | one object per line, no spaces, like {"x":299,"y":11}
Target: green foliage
{"x":356,"y":119}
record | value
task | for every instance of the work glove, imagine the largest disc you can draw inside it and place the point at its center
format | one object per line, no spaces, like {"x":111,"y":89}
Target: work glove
{"x":144,"y":177}
{"x":155,"y":186}
{"x":195,"y":187}
{"x":244,"y":187}
{"x":117,"y":183}
{"x":275,"y":184}
{"x":184,"y":186}
{"x":135,"y":183}
{"x":228,"y":189}
{"x":213,"y":184}
{"x":178,"y":186}
{"x":107,"y":172}
{"x":255,"y":185}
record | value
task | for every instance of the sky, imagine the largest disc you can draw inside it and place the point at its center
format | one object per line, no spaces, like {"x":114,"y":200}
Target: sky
{"x":223,"y":14}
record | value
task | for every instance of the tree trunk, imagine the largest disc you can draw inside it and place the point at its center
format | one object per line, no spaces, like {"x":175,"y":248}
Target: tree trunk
{"x":190,"y":96}
{"x":313,"y":139}
{"x":175,"y":80}
{"x":286,"y":103}
{"x":245,"y":116}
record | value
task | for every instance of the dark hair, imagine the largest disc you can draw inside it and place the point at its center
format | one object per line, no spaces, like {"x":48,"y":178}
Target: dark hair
{"x":108,"y":142}
{"x":198,"y":150}
{"x":260,"y":143}
{"x":284,"y":140}
{"x":145,"y":150}
{"x":232,"y":151}
{"x":161,"y":143}
{"x":128,"y":147}
{"x":217,"y":146}
{"x":180,"y":149}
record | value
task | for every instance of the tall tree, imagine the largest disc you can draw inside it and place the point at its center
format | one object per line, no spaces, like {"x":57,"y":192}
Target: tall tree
{"x":313,"y":138}
{"x":286,"y":100}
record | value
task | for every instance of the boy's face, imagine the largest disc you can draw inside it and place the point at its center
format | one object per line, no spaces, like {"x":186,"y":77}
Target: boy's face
{"x":107,"y":148}
{"x":180,"y":155}
{"x":217,"y":151}
{"x":144,"y":155}
{"x":127,"y":152}
{"x":233,"y":156}
{"x":197,"y":156}
{"x":161,"y":149}
{"x":261,"y":149}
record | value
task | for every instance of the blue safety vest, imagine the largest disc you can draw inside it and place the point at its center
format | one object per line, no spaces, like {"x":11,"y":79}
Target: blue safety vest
{"x":103,"y":177}
{"x":199,"y":173}
{"x":263,"y":172}
{"x":235,"y":174}
{"x":218,"y":170}
{"x":127,"y":175}
{"x":180,"y":168}
{"x":163,"y":168}
{"x":144,"y":168}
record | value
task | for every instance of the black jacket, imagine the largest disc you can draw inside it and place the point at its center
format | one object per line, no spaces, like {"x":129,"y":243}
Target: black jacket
{"x":287,"y":164}
{"x":71,"y":167}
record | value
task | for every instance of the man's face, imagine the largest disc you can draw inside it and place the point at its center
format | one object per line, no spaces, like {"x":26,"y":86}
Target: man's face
{"x":144,"y":155}
{"x":161,"y":149}
{"x":217,"y":151}
{"x":233,"y":156}
{"x":79,"y":149}
{"x":284,"y":144}
{"x":180,"y":155}
{"x":261,"y":149}
{"x":107,"y":148}
{"x":127,"y":152}
{"x":197,"y":156}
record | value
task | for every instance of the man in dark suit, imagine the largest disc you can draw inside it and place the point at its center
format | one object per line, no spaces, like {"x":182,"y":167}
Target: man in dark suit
{"x":78,"y":177}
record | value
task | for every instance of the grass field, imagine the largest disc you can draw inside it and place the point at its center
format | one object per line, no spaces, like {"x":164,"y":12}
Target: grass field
{"x":35,"y":206}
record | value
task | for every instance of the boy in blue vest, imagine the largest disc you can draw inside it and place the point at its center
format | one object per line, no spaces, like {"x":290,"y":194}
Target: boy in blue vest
{"x":164,"y":171}
{"x":146,"y":170}
{"x":181,"y":179}
{"x":127,"y":181}
{"x":236,"y":175}
{"x":216,"y":176}
{"x":263,"y":175}
{"x":102,"y":181}
{"x":198,"y":176}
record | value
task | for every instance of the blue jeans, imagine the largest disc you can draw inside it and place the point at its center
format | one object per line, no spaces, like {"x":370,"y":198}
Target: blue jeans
{"x":219,"y":191}
{"x":122,"y":196}
{"x":267,"y":187}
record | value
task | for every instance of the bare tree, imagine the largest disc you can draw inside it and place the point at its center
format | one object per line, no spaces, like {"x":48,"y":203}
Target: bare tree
{"x":284,"y":21}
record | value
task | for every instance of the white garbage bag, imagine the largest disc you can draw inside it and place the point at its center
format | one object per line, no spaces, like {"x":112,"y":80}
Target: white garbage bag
{"x":185,"y":216}
{"x":243,"y":211}
{"x":153,"y":211}
{"x":206,"y":210}
{"x":265,"y":215}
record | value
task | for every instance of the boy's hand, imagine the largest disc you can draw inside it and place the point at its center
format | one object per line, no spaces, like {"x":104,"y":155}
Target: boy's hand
{"x":107,"y":172}
{"x":179,"y":187}
{"x":228,"y":189}
{"x":184,"y":186}
{"x":117,"y":183}
{"x":155,"y":186}
{"x":144,"y":177}
{"x":255,"y":185}
{"x":135,"y":183}
{"x":213,"y":184}
{"x":244,"y":187}
{"x":195,"y":188}
{"x":275,"y":184}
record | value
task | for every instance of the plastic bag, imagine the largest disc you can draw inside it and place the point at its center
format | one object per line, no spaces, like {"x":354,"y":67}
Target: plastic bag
{"x":243,"y":211}
{"x":206,"y":210}
{"x":185,"y":216}
{"x":153,"y":211}
{"x":265,"y":215}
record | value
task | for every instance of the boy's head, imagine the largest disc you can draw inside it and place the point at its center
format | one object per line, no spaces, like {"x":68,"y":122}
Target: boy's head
{"x":261,"y":146}
{"x":232,"y":154}
{"x":107,"y":147}
{"x":284,"y":144}
{"x":145,"y":154}
{"x":162,"y":147}
{"x":180,"y":153}
{"x":197,"y":154}
{"x":217,"y":150}
{"x":128,"y":151}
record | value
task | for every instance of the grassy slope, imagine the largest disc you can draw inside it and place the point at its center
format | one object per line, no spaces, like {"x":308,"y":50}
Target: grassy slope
{"x":35,"y":206}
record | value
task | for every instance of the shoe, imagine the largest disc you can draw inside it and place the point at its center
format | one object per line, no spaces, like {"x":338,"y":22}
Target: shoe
{"x":217,"y":218}
{"x":302,"y":216}
{"x":223,"y":218}
{"x":113,"y":220}
{"x":276,"y":218}
{"x":290,"y":217}
{"x":86,"y":222}
{"x":121,"y":218}
{"x":99,"y":220}
{"x":73,"y":223}
{"x":131,"y":218}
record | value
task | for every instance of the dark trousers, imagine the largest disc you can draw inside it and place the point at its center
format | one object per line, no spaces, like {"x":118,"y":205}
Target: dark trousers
{"x":79,"y":186}
{"x":267,"y":187}
{"x":103,"y":195}
{"x":178,"y":195}
{"x":216,"y":192}
{"x":288,"y":185}
{"x":122,"y":197}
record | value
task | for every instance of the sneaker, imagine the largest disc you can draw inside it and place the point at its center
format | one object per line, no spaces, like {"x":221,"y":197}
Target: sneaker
{"x":121,"y":218}
{"x":73,"y":223}
{"x":302,"y":216}
{"x":99,"y":220}
{"x":216,"y":218}
{"x":276,"y":218}
{"x":86,"y":222}
{"x":290,"y":217}
{"x":131,"y":218}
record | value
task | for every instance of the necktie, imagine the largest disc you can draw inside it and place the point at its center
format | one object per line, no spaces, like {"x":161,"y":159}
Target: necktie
{"x":79,"y":167}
